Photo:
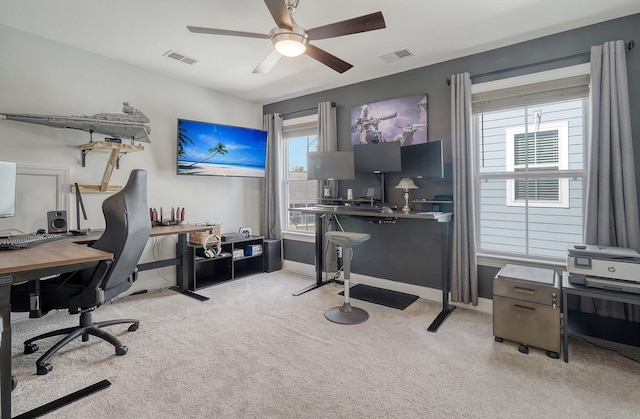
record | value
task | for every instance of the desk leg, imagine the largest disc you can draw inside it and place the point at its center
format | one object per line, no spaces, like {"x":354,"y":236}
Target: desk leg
{"x":446,"y":308}
{"x":319,"y":257}
{"x":185,"y":269}
{"x":5,"y":348}
{"x":565,"y":323}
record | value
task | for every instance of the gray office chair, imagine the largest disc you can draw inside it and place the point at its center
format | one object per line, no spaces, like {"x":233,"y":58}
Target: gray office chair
{"x":126,"y":233}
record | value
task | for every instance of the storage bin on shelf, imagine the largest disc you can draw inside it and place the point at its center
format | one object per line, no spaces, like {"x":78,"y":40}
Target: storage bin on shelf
{"x":253,"y":250}
{"x":198,"y":237}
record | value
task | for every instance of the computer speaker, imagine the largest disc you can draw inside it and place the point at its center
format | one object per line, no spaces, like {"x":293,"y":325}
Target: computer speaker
{"x":57,"y":222}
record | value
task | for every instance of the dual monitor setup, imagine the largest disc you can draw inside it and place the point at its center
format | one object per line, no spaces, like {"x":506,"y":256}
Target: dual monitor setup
{"x":416,"y":161}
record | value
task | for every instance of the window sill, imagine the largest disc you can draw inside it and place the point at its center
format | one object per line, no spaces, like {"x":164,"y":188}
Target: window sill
{"x":302,"y":236}
{"x":498,"y":261}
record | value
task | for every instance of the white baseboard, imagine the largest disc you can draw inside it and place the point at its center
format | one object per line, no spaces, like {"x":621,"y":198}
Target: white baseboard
{"x":485,"y":305}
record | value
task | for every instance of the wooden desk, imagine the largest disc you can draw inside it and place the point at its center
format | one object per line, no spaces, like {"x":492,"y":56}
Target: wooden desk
{"x":444,"y":218}
{"x":66,"y":256}
{"x":26,"y":264}
{"x":182,"y":260}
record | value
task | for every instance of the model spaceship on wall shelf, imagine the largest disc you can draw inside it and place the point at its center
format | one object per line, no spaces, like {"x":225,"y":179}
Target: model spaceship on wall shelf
{"x":131,"y":123}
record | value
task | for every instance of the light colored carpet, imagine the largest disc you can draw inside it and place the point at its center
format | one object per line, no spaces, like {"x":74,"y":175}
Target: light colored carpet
{"x":255,"y":351}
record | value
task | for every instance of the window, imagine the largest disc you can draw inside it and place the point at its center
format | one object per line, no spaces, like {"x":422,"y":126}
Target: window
{"x":539,"y":147}
{"x":529,"y":142}
{"x":300,"y":136}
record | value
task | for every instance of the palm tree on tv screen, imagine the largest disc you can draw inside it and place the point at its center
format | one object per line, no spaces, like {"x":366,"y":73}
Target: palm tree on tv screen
{"x":183,"y":140}
{"x":214,"y":151}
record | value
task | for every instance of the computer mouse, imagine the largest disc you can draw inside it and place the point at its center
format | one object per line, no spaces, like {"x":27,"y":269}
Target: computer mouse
{"x":386,"y":210}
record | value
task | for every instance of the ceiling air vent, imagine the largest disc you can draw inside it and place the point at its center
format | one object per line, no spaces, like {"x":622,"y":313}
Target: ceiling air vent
{"x":180,"y":57}
{"x":397,"y":55}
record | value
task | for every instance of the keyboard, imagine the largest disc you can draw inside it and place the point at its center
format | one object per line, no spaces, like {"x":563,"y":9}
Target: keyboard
{"x":26,"y":241}
{"x":358,"y":208}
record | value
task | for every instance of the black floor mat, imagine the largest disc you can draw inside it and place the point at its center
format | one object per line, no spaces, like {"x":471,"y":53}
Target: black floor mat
{"x":389,"y":298}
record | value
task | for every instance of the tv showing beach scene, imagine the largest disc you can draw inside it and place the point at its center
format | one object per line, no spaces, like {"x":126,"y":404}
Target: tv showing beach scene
{"x":209,"y":149}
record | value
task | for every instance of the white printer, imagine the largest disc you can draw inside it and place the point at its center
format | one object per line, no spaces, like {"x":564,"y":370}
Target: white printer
{"x":612,"y":268}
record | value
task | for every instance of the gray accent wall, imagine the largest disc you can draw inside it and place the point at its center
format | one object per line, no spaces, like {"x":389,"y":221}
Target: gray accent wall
{"x":408,"y":251}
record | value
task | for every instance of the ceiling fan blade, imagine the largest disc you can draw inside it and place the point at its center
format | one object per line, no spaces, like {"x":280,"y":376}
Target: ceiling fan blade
{"x":327,"y":59}
{"x":365,"y":23}
{"x":211,"y":31}
{"x":267,"y":64}
{"x":280,"y":13}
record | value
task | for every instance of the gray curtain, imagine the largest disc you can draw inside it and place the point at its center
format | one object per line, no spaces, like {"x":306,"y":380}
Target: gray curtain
{"x":464,"y":278}
{"x":273,"y":198}
{"x":611,"y":213}
{"x":327,"y":136}
{"x":611,"y":208}
{"x":328,"y":141}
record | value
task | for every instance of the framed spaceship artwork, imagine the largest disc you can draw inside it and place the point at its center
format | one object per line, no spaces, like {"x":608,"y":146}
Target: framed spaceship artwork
{"x":402,"y":119}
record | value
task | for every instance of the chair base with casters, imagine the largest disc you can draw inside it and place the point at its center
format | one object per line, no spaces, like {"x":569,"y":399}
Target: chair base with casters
{"x":126,"y":233}
{"x":87,"y":327}
{"x":346,"y":314}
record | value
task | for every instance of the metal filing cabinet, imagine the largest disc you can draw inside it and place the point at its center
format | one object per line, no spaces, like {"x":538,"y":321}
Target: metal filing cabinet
{"x":526,"y":308}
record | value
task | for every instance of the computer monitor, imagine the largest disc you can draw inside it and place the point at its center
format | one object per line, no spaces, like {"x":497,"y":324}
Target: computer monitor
{"x":423,"y":160}
{"x":8,"y":175}
{"x":383,"y":157}
{"x":330,"y":165}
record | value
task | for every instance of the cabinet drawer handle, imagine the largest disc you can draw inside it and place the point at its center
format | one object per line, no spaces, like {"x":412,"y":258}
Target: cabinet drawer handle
{"x":524,"y":308}
{"x":524,"y":290}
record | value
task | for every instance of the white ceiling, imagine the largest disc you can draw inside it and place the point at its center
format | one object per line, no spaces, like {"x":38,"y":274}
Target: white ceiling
{"x":139,"y":32}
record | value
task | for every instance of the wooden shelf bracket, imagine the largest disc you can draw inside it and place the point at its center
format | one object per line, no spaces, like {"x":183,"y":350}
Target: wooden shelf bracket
{"x":116,"y":149}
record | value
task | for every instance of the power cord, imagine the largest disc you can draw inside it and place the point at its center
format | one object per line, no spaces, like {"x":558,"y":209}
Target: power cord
{"x":335,"y":275}
{"x":610,"y":350}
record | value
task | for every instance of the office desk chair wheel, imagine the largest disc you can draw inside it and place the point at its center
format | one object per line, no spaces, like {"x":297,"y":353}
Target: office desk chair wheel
{"x":346,"y":314}
{"x":44,"y":368}
{"x":30,"y":348}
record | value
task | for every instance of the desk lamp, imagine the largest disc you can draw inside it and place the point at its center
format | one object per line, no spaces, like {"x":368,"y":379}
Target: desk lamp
{"x":406,"y":184}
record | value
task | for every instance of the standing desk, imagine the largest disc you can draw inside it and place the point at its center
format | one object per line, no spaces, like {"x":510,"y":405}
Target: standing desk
{"x":182,"y":261}
{"x":67,"y":256}
{"x":28,"y":264}
{"x":443,"y":218}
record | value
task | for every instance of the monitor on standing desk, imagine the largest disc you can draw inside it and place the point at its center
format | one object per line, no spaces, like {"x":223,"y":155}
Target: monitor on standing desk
{"x":8,"y":175}
{"x":423,"y":160}
{"x":330,"y":165}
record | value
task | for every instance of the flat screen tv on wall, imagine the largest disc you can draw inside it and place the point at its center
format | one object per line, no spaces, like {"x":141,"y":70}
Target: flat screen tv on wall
{"x":209,"y":149}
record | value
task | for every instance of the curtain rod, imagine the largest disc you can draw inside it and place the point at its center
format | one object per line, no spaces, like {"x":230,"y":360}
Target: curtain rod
{"x":285,"y":115}
{"x":627,"y":46}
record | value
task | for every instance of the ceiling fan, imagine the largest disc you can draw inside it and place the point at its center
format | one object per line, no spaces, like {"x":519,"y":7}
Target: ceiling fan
{"x":291,"y":40}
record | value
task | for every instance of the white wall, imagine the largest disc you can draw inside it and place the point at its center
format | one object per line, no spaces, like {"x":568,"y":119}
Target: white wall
{"x":38,"y":76}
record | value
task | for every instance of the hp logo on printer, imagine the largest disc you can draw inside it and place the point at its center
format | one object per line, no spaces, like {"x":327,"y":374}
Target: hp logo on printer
{"x":611,"y":269}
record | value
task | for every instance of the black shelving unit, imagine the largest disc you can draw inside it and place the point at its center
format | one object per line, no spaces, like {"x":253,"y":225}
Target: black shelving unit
{"x":591,"y":325}
{"x":225,"y":267}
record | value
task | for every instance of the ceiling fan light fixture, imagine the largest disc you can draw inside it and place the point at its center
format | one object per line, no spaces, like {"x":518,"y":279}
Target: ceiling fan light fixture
{"x":289,"y":44}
